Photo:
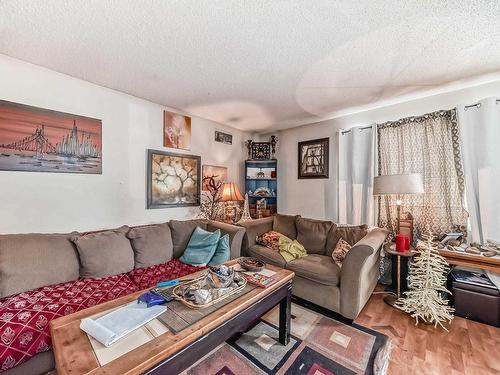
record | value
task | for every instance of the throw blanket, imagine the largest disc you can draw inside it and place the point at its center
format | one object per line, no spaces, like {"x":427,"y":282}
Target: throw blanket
{"x":291,"y":249}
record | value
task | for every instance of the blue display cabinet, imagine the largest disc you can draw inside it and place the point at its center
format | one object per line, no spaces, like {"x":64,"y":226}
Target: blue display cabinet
{"x":261,"y":185}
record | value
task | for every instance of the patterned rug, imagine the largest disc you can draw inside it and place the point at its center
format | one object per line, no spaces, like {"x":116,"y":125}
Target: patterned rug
{"x":318,"y":346}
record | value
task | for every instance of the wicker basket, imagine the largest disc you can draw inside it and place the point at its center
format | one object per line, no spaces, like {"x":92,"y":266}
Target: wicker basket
{"x":178,"y":292}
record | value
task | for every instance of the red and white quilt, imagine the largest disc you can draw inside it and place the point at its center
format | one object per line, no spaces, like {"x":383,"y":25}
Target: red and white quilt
{"x":150,"y":276}
{"x":25,"y":317}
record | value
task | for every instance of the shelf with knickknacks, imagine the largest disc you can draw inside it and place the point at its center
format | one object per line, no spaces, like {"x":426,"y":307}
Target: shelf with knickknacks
{"x":261,"y":177}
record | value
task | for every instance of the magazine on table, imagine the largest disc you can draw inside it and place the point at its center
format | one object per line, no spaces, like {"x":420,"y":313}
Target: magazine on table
{"x":112,"y":326}
{"x":259,"y":279}
{"x":472,"y":277}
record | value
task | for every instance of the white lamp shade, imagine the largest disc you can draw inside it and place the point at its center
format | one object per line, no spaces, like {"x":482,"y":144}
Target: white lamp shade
{"x":398,"y":184}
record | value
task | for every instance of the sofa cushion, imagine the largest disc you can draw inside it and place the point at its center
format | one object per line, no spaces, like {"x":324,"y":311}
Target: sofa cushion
{"x":317,"y":268}
{"x":152,"y":244}
{"x":349,"y":233}
{"x":148,"y":277}
{"x":266,"y":255}
{"x":105,"y":253}
{"x":30,"y":261}
{"x":286,"y":224}
{"x":25,"y":317}
{"x":181,"y":233}
{"x":313,"y":234}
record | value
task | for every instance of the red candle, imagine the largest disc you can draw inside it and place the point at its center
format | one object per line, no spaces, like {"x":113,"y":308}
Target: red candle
{"x":407,"y":243}
{"x":400,"y":242}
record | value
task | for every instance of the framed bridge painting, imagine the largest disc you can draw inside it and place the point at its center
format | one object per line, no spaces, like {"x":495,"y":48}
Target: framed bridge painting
{"x":40,"y":140}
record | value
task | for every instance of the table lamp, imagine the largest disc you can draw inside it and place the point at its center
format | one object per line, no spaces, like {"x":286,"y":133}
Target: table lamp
{"x":398,"y":184}
{"x":230,"y":193}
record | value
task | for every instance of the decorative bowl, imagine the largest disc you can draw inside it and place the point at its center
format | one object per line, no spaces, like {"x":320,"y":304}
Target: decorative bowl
{"x":251,"y":264}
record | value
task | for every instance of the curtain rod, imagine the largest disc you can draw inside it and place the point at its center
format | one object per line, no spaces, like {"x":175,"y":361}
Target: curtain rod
{"x":477,"y":104}
{"x":362,"y":128}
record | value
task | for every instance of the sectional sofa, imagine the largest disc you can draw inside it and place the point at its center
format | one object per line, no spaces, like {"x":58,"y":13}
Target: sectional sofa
{"x":45,"y":276}
{"x":344,"y":290}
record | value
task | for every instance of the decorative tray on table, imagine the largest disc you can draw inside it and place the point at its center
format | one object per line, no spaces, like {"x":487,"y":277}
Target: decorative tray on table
{"x":212,"y":287}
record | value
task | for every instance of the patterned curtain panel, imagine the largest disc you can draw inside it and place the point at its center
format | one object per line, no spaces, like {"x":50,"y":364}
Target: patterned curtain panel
{"x":428,"y":145}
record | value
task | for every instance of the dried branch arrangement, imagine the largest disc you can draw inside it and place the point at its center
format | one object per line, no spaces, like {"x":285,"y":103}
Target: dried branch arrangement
{"x":211,"y":207}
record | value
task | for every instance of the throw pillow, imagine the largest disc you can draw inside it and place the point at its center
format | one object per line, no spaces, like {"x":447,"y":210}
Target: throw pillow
{"x":270,"y":239}
{"x":340,"y":252}
{"x":349,"y":233}
{"x":152,"y":244}
{"x":201,"y":247}
{"x":222,"y":253}
{"x":291,"y":249}
{"x":105,"y":253}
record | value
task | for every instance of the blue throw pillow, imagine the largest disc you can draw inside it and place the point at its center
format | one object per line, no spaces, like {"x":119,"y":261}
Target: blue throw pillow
{"x":222,"y":253}
{"x":201,"y":247}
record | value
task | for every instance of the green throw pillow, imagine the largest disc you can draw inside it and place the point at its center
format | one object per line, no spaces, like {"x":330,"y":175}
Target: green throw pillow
{"x":201,"y":247}
{"x":222,"y":253}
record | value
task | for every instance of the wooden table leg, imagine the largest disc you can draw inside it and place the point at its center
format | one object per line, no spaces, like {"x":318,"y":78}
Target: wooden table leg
{"x":285,"y":313}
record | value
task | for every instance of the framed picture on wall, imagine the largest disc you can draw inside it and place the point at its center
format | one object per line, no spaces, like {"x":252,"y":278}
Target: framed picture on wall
{"x":213,"y":177}
{"x":176,"y":130}
{"x":173,"y":180}
{"x":34,"y":139}
{"x":223,"y":137}
{"x":313,"y":158}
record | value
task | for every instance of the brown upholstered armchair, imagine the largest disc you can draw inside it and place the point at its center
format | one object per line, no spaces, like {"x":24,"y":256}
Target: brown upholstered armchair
{"x":318,"y":279}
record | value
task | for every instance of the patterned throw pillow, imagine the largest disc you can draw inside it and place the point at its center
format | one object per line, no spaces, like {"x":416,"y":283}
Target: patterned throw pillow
{"x":270,"y":239}
{"x":340,"y":252}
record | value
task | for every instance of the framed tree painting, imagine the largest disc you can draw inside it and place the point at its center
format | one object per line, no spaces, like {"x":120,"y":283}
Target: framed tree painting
{"x":173,"y":180}
{"x":176,"y":130}
{"x":35,"y":139}
{"x":313,"y":158}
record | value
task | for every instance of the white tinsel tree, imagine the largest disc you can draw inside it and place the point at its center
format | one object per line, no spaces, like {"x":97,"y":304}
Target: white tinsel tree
{"x":427,"y":285}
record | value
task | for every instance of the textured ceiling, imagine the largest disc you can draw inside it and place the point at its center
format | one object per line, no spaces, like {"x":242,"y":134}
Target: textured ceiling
{"x":257,"y":64}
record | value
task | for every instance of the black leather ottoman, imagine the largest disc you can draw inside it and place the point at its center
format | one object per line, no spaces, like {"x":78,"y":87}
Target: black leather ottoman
{"x":476,"y":302}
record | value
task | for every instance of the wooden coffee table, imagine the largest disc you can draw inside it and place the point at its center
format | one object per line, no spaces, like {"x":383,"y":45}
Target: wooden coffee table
{"x":171,"y":353}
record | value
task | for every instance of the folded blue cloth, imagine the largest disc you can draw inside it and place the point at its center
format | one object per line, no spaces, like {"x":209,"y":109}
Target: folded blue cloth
{"x":201,"y":247}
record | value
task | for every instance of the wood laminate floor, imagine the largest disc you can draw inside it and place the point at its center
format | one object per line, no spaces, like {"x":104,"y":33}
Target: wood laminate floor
{"x":468,"y":348}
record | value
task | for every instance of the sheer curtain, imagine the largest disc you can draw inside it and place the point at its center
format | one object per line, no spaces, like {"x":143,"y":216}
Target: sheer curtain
{"x":356,"y":167}
{"x":480,"y":147}
{"x":428,"y":145}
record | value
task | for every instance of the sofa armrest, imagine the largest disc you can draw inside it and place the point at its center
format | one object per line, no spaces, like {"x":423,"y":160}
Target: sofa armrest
{"x":235,"y":235}
{"x":359,"y":272}
{"x":253,"y":229}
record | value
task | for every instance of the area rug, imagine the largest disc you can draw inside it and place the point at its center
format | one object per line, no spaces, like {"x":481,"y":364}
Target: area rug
{"x":319,"y":346}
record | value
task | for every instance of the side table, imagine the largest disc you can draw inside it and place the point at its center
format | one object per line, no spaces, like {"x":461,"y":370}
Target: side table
{"x":400,"y":260}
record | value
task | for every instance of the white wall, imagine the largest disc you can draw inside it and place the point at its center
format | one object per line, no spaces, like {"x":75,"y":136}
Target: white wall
{"x":318,"y":198}
{"x":46,"y":202}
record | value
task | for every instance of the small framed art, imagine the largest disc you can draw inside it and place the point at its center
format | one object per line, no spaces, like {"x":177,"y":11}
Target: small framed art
{"x":176,"y":130}
{"x":313,"y":158}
